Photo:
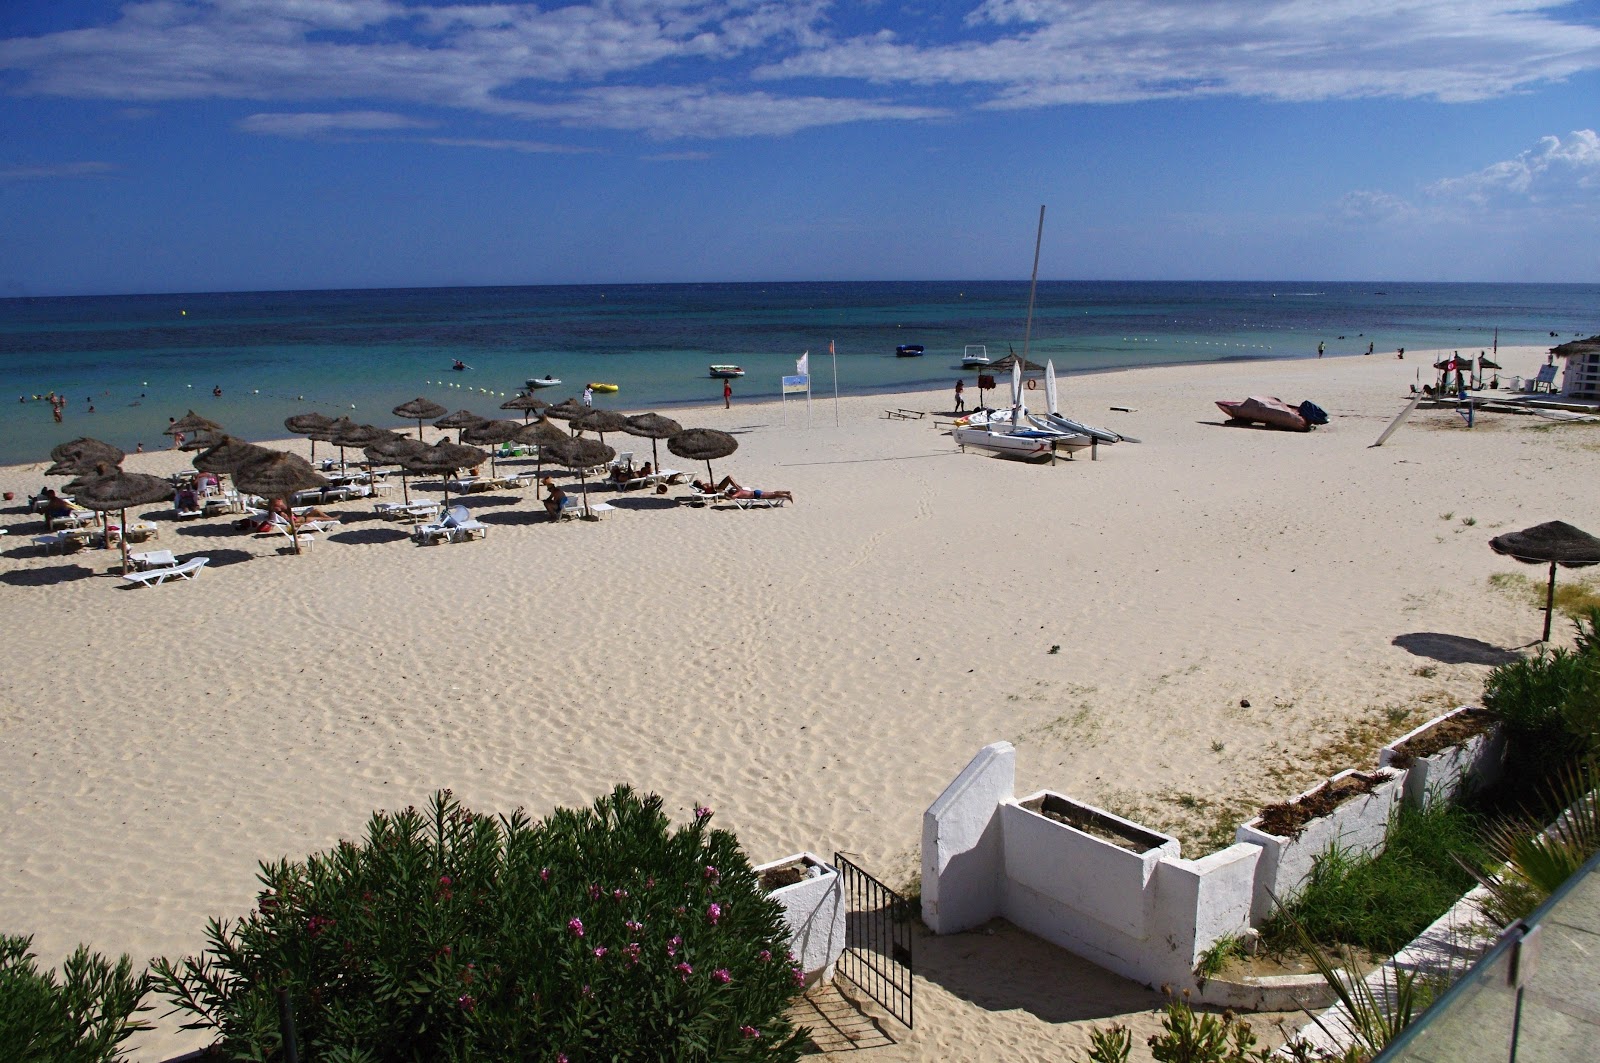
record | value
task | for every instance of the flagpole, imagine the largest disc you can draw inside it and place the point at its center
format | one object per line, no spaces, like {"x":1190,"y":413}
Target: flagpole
{"x":835,"y":356}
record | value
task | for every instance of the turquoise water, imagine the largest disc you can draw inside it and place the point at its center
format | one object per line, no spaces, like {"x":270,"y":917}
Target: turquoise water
{"x":142,"y":359}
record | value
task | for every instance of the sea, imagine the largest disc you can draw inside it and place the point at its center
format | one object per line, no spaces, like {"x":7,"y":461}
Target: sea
{"x":126,"y":364}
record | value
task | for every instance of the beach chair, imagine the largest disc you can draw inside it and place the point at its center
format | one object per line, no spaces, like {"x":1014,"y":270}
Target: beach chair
{"x":765,"y":502}
{"x":457,"y":526}
{"x":571,"y":506}
{"x":187,"y":570}
{"x":702,"y":498}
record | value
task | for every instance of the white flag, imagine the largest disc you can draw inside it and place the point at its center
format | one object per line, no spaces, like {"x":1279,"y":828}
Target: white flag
{"x":802,"y":366}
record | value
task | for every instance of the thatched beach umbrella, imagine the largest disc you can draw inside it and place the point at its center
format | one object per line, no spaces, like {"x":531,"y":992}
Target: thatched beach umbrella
{"x":313,"y":426}
{"x":226,"y":455}
{"x":601,"y":421}
{"x":192,"y":422}
{"x":348,"y":434}
{"x":527,"y":404}
{"x":1556,"y":543}
{"x":279,"y":474}
{"x":541,"y":434}
{"x":443,"y":458}
{"x":580,"y":455}
{"x":419,"y":409}
{"x":118,"y":490}
{"x":393,"y":451}
{"x":652,"y":426}
{"x":566,"y":410}
{"x":460,"y":421}
{"x":84,"y":453}
{"x":702,"y":444}
{"x":491,"y":434}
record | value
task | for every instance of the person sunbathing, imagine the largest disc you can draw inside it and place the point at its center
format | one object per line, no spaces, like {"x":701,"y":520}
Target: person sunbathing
{"x":280,"y":509}
{"x":727,"y":483}
{"x":55,"y":508}
{"x":730,"y":488}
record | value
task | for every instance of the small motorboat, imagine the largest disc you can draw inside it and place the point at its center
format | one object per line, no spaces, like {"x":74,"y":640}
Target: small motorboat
{"x":908,"y":350}
{"x":534,"y":383}
{"x":976,"y":356}
{"x":607,"y":388}
{"x":1274,"y":413}
{"x":725,"y":372}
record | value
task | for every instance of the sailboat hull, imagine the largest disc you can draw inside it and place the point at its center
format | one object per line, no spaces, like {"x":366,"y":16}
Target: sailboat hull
{"x":1032,"y":447}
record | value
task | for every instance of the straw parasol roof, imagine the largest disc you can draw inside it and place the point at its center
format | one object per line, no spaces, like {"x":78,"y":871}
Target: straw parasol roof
{"x":601,"y":421}
{"x":419,"y":409}
{"x":313,"y":426}
{"x":278,"y":474}
{"x":652,"y":426}
{"x":460,"y":420}
{"x":83,"y":453}
{"x":392,"y":451}
{"x":118,"y":490}
{"x":702,"y":444}
{"x":526,"y":403}
{"x":541,"y":433}
{"x":566,"y":410}
{"x":580,"y":455}
{"x":1571,"y":347}
{"x":491,"y":434}
{"x":193,"y":422}
{"x":443,"y":458}
{"x":1554,"y":542}
{"x":227,"y":454}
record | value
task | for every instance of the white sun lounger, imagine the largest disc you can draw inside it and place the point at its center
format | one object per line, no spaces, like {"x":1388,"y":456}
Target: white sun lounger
{"x":186,"y":570}
{"x":458,"y":526}
{"x":765,"y":502}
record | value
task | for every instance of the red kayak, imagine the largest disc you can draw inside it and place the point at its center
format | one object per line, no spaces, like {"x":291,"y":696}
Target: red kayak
{"x":1272,"y":412}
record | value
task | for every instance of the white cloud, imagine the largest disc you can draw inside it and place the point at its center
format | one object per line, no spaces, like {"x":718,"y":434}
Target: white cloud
{"x":317,"y":124}
{"x":687,"y":66}
{"x":1372,"y":206}
{"x":526,"y":147}
{"x":1553,"y":173}
{"x":677,"y":156}
{"x":47,"y":171}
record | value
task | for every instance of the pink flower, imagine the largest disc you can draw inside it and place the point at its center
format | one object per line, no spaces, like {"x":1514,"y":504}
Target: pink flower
{"x":684,"y":970}
{"x":798,"y":975}
{"x":765,"y":955}
{"x":673,"y":945}
{"x":561,"y":1057}
{"x":575,"y":927}
{"x":594,"y":892}
{"x":634,"y":926}
{"x":650,"y":883}
{"x":465,"y":1002}
{"x":600,"y":952}
{"x":713,"y":913}
{"x":702,"y":813}
{"x":712,"y":874}
{"x":681,"y":909}
{"x":544,"y":874}
{"x":721,"y":975}
{"x":749,"y":1032}
{"x":631,"y":950}
{"x":444,"y":880}
{"x":619,"y":895}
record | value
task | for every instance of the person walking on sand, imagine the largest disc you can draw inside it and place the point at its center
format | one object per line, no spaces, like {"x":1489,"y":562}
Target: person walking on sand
{"x":588,"y":396}
{"x":961,"y":403}
{"x":1319,"y":348}
{"x":727,"y":395}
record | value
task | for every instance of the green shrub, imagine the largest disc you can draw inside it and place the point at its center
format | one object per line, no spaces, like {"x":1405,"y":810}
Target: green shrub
{"x":83,"y":1018}
{"x":1550,"y":705}
{"x":1380,"y":903}
{"x":1186,"y":1037}
{"x":595,"y":934}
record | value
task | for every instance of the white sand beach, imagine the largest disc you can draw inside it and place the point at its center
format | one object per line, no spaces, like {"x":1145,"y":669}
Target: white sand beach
{"x":815,"y":673}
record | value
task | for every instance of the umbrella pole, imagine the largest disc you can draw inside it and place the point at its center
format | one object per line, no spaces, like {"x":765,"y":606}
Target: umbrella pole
{"x":124,"y":538}
{"x":1549,"y":602}
{"x":585,"y":484}
{"x":405,"y":487}
{"x":294,"y":529}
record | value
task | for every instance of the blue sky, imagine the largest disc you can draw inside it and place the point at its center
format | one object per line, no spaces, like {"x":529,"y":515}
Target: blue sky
{"x":204,"y":145}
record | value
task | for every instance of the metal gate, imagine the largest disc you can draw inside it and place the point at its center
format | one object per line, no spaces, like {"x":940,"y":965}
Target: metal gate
{"x":877,"y":940}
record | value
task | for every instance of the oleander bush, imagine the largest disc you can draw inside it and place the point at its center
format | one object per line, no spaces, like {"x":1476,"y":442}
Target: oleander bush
{"x":595,"y":934}
{"x":81,"y":1018}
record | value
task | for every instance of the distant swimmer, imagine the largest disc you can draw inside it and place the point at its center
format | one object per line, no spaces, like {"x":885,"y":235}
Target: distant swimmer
{"x":217,"y":390}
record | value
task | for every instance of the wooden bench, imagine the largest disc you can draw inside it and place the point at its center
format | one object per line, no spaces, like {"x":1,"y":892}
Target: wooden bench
{"x":904,"y":415}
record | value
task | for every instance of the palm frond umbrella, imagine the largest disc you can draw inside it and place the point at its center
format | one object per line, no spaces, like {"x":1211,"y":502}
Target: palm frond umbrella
{"x":279,"y":474}
{"x":579,"y":455}
{"x":419,"y":409}
{"x":566,"y":410}
{"x":393,"y":451}
{"x":460,"y":420}
{"x":601,"y":421}
{"x":1554,"y":542}
{"x":313,"y":426}
{"x":118,"y":490}
{"x":541,"y":434}
{"x":527,"y":404}
{"x":702,"y":444}
{"x":199,"y":432}
{"x":654,"y":427}
{"x":349,"y":434}
{"x":227,"y":455}
{"x":444,"y":458}
{"x":84,"y":452}
{"x":491,"y":434}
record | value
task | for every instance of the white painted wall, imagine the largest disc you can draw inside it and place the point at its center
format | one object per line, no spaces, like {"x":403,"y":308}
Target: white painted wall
{"x":814,"y":908}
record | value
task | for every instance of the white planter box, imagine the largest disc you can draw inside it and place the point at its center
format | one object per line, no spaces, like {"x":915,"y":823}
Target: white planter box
{"x":814,"y":908}
{"x":1358,"y":825}
{"x":1078,"y":869}
{"x":1453,"y":771}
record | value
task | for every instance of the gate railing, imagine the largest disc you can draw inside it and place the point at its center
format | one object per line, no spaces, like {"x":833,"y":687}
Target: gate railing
{"x":877,"y":945}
